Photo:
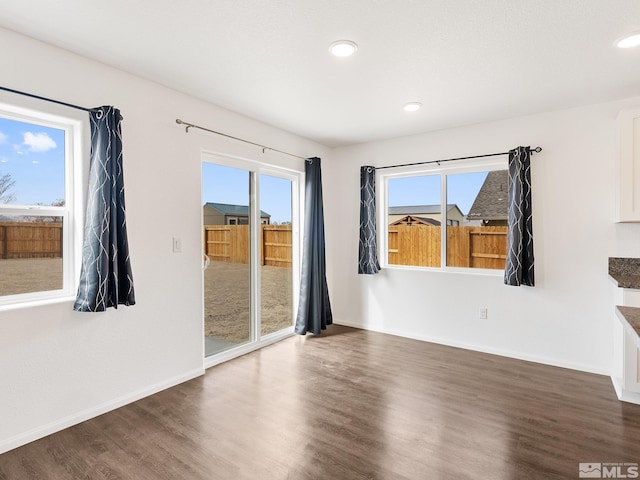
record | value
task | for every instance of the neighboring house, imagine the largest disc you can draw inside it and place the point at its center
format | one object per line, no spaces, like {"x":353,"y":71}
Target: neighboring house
{"x":490,"y":205}
{"x":426,"y":212}
{"x":412,"y":220}
{"x":225,"y":214}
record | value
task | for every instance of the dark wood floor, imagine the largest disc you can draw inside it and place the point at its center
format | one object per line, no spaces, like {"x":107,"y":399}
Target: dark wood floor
{"x":351,"y":404}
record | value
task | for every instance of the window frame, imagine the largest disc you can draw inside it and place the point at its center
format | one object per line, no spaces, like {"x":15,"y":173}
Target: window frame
{"x":76,"y":128}
{"x":444,"y":170}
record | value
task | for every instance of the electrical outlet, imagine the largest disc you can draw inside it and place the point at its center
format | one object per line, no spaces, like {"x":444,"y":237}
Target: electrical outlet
{"x":483,"y":313}
{"x":177,"y":245}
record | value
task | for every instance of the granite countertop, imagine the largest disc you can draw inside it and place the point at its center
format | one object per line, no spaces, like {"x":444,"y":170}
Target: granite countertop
{"x":630,"y":317}
{"x":627,"y":281}
{"x":625,"y":271}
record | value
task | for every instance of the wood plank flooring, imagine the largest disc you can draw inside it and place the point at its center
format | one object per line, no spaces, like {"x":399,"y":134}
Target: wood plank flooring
{"x":350,"y":404}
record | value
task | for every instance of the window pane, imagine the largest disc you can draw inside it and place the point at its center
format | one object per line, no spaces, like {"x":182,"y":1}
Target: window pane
{"x":32,"y":170}
{"x":414,"y":218}
{"x":227,"y":280}
{"x":30,"y":254}
{"x":276,"y":273}
{"x":477,"y":219}
{"x":32,"y":160}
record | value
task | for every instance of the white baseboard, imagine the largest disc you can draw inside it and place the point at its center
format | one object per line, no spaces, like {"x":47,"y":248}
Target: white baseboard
{"x":617,"y":386}
{"x":66,"y":422}
{"x":630,"y":397}
{"x":625,"y":395}
{"x":483,"y":349}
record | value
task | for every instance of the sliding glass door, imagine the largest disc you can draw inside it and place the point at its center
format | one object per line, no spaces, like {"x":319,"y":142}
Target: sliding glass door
{"x":276,"y":273}
{"x":250,"y":252}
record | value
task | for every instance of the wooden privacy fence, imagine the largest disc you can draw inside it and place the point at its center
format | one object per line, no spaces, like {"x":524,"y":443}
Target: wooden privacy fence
{"x":30,"y":240}
{"x":418,"y":245}
{"x":475,"y":247}
{"x":230,"y":243}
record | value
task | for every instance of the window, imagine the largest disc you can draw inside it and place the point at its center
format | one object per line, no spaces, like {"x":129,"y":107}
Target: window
{"x":470,"y":201}
{"x":37,"y":223}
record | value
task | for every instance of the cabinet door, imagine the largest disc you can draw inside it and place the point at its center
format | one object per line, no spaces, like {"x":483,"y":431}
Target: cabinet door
{"x":628,"y":172}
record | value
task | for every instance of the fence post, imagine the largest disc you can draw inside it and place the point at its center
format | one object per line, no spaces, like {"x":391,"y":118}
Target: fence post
{"x":3,"y":254}
{"x":263,"y":239}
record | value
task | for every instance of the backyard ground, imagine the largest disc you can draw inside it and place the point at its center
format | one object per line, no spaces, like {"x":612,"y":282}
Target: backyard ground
{"x":226,"y":308}
{"x":26,"y":275}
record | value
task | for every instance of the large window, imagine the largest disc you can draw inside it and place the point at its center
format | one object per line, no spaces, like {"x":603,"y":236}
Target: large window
{"x":454,"y":217}
{"x":37,"y":225}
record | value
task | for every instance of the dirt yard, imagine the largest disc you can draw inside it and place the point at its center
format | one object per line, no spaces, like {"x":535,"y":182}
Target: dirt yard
{"x":26,"y":275}
{"x":226,"y":309}
{"x":226,"y":293}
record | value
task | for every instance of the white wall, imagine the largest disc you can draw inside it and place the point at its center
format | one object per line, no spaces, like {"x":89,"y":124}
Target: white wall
{"x":567,"y":318}
{"x":58,"y":367}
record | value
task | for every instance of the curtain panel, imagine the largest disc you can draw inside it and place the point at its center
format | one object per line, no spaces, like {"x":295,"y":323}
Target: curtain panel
{"x":105,"y":276}
{"x":520,"y":264}
{"x":368,"y":246}
{"x":314,"y":308}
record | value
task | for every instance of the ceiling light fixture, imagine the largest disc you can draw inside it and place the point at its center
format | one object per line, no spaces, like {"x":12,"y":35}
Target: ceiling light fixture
{"x":632,"y":40}
{"x":343,"y":48}
{"x":412,"y":106}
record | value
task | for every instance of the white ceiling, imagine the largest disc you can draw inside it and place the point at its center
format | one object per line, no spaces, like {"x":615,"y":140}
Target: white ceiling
{"x":467,"y":61}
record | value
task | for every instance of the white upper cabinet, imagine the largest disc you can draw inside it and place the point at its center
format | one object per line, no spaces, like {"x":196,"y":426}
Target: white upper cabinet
{"x":628,"y":171}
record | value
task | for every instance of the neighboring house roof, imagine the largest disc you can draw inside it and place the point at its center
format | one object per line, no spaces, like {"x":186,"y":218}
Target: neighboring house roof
{"x":410,"y":219}
{"x":491,"y":201}
{"x":417,"y":209}
{"x":228,"y":209}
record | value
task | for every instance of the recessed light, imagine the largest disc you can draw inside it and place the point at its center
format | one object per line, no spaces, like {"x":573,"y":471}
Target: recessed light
{"x":412,"y":106}
{"x":343,"y":48}
{"x":629,"y":41}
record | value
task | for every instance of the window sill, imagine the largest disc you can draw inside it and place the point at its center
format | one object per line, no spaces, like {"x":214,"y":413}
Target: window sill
{"x":36,"y":302}
{"x":486,"y":272}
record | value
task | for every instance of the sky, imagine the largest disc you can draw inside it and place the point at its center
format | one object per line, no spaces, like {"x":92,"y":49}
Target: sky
{"x":221,"y":184}
{"x":34,"y":157}
{"x":462,"y":190}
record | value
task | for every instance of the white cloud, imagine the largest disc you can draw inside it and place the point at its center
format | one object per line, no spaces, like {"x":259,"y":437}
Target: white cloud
{"x":3,"y":137}
{"x":3,"y":160}
{"x":38,"y":142}
{"x":35,"y":161}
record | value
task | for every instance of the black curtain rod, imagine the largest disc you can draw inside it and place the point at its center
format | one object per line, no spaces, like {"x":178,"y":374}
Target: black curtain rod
{"x":536,"y":150}
{"x":264,"y":147}
{"x":44,"y":98}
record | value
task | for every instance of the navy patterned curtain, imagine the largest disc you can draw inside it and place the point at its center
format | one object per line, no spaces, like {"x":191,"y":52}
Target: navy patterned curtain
{"x":368,"y":248}
{"x":314,"y":308}
{"x":519,"y":267}
{"x":105,"y":275}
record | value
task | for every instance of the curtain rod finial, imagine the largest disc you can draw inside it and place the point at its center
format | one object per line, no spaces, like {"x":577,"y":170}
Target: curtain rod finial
{"x":180,"y":122}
